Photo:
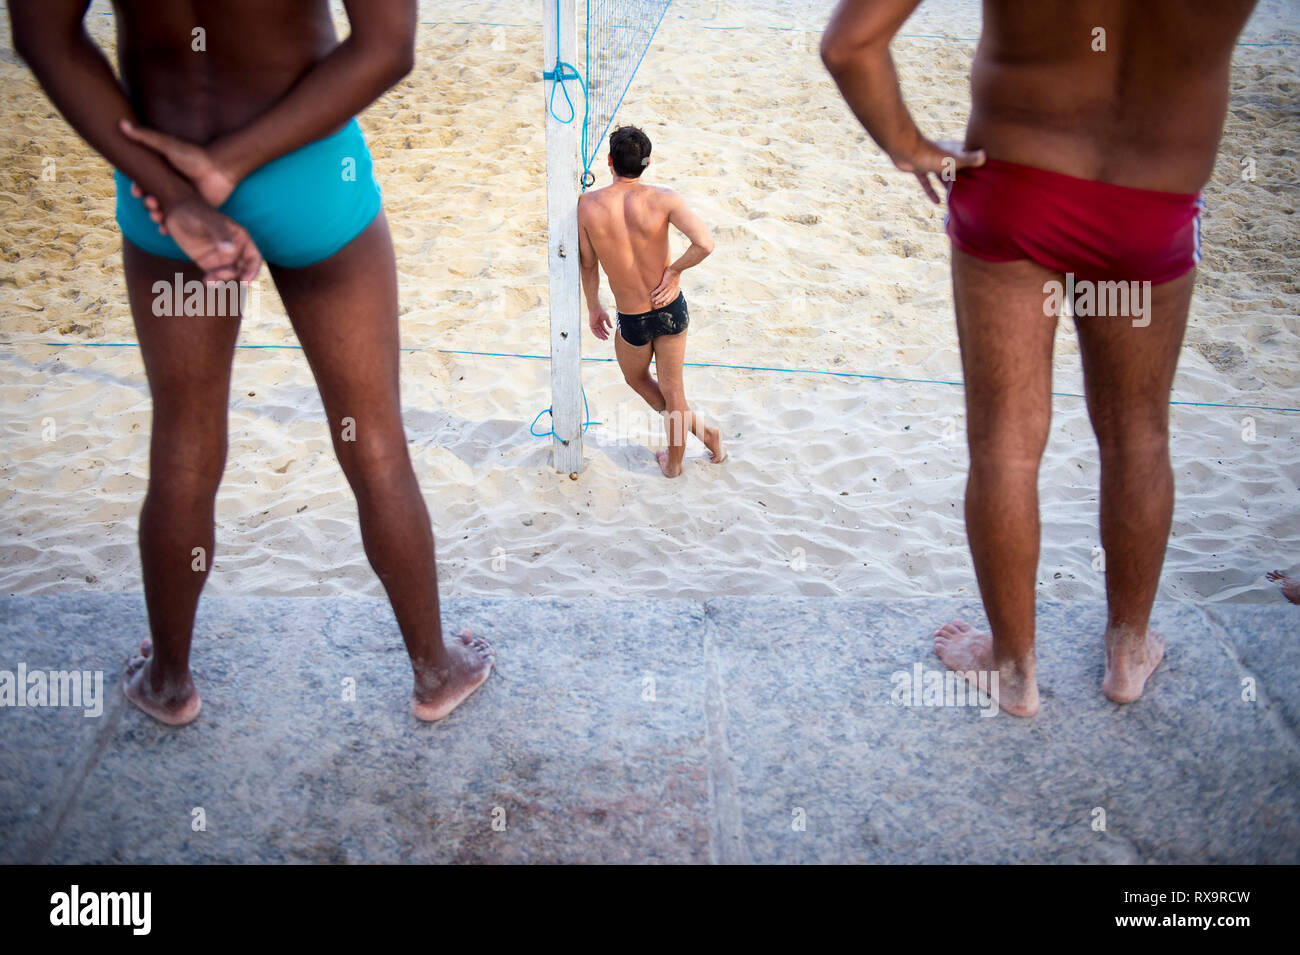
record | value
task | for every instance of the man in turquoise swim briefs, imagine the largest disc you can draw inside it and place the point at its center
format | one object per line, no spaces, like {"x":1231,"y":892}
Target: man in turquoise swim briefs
{"x":233,"y":135}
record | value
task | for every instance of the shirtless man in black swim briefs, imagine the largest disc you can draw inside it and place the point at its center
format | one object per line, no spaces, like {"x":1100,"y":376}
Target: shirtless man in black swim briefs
{"x":237,"y":149}
{"x":623,"y":228}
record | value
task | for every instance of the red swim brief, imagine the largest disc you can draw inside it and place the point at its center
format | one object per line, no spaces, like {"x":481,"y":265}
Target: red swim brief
{"x":1002,"y":212}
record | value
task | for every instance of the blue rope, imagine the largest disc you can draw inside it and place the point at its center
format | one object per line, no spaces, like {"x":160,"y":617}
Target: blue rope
{"x":835,"y":374}
{"x":586,"y":414}
{"x":557,"y":77}
{"x":693,"y":364}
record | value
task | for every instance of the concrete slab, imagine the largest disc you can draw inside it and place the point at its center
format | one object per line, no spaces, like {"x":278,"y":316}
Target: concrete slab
{"x":637,"y":730}
{"x":1182,"y":775}
{"x":1266,"y":644}
{"x":46,"y":752}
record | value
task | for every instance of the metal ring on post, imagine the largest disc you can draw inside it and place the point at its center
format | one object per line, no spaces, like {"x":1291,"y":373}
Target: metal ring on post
{"x":588,"y":179}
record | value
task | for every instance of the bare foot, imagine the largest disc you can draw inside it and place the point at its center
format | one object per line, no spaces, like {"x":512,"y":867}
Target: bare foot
{"x":967,"y":651}
{"x":662,"y":456}
{"x":437,"y":693}
{"x":1129,"y":661}
{"x":175,"y":704}
{"x":1290,"y":586}
{"x":713,"y":441}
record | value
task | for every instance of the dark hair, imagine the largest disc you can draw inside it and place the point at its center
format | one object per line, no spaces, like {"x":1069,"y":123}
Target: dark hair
{"x":629,"y":147}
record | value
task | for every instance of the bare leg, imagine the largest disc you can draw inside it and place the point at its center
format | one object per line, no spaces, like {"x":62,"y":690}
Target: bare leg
{"x":187,"y":360}
{"x":1128,"y":374}
{"x":344,"y":311}
{"x":634,"y":361}
{"x":1006,"y":352}
{"x":670,"y":354}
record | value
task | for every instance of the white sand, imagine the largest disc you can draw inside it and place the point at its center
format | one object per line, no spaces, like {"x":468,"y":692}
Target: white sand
{"x":826,"y":259}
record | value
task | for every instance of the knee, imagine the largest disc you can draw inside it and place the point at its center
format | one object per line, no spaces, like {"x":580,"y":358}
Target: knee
{"x":638,"y":380}
{"x":1141,"y":441}
{"x":1015,"y":442}
{"x":188,"y":472}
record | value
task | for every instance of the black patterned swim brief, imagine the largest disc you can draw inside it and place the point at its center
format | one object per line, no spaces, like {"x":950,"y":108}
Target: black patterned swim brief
{"x":644,"y":328}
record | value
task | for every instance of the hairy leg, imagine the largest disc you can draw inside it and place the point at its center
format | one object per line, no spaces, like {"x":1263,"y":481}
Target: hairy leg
{"x":187,"y":361}
{"x":634,"y":362}
{"x":679,"y":419}
{"x":1128,"y":374}
{"x":1006,"y":351}
{"x":344,"y":311}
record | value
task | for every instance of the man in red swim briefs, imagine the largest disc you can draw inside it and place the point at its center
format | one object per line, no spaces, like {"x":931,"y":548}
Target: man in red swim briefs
{"x":1093,"y":127}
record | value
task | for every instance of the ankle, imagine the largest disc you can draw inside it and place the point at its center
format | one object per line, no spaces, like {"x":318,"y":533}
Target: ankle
{"x":1126,"y":638}
{"x":1016,"y":666}
{"x":165,"y":686}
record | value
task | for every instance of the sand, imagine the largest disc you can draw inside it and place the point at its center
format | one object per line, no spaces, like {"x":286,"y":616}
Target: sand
{"x":827,"y":261}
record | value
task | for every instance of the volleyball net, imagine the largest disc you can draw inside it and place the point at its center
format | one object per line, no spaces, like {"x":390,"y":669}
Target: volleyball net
{"x":618,"y":34}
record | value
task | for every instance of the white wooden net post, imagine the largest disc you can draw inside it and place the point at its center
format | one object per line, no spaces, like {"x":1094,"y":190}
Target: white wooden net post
{"x":562,"y":179}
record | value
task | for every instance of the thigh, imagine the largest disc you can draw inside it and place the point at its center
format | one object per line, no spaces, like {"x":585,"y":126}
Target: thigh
{"x":1006,"y":337}
{"x":1128,"y":370}
{"x":187,"y":350}
{"x":670,"y":355}
{"x":633,"y":360}
{"x":344,"y":311}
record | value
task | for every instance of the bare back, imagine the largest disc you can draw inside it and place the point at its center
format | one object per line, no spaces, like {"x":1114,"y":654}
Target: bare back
{"x":1147,"y":111}
{"x":627,"y":225}
{"x":253,"y":52}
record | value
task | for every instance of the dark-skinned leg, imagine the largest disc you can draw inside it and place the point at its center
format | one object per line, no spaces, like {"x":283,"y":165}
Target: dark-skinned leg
{"x":1128,"y":374}
{"x":1006,"y":353}
{"x":187,"y":361}
{"x":344,"y":311}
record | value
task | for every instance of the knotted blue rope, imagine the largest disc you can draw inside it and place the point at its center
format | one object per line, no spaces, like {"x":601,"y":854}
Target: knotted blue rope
{"x":586,"y":414}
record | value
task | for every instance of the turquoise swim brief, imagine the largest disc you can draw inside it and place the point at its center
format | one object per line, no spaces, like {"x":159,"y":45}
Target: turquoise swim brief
{"x":299,"y":209}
